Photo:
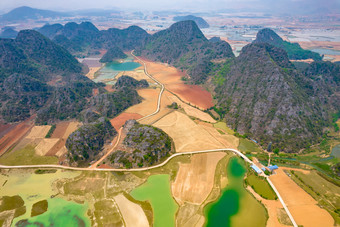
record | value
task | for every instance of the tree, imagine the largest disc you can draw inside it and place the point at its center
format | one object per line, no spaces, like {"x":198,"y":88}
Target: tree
{"x":276,"y":151}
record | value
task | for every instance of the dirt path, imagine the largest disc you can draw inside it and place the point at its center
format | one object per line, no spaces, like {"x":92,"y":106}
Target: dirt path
{"x":94,"y":165}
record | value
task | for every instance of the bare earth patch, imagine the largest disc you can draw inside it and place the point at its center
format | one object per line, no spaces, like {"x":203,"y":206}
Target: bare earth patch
{"x":133,"y":214}
{"x":149,"y":103}
{"x":171,"y":78}
{"x":91,"y":73}
{"x":120,"y":120}
{"x":302,"y":206}
{"x":15,"y":134}
{"x":195,"y":181}
{"x":187,"y":135}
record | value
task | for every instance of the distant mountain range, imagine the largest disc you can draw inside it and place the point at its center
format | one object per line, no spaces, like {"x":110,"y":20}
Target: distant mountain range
{"x":198,"y":20}
{"x":8,"y":33}
{"x":85,"y":37}
{"x":25,"y":13}
{"x":260,"y":93}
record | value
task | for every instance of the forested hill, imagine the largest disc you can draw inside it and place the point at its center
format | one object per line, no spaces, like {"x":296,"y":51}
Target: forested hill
{"x":33,"y":72}
{"x":294,"y":50}
{"x":263,"y":95}
{"x":85,"y":38}
{"x":184,"y":46}
{"x":199,"y":20}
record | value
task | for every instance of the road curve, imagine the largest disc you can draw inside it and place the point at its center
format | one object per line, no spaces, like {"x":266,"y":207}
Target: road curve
{"x":159,"y":83}
{"x":94,"y":166}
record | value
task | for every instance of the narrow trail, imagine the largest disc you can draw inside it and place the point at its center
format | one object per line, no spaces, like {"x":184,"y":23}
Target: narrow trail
{"x":94,"y":166}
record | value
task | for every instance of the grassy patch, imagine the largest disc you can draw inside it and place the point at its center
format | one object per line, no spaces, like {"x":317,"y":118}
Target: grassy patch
{"x":261,"y":186}
{"x":50,"y":132}
{"x":26,"y":156}
{"x":248,"y":146}
{"x":224,"y":127}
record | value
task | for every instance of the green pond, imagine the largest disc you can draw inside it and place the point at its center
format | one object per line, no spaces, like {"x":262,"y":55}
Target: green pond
{"x":111,"y":70}
{"x":336,"y":151}
{"x":60,"y":213}
{"x":235,"y":207}
{"x":158,"y":192}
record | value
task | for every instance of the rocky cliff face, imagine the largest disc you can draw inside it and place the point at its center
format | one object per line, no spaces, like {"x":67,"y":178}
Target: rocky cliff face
{"x":85,"y":144}
{"x":294,"y":50}
{"x":146,"y":146}
{"x":261,"y":94}
{"x":36,"y":74}
{"x":184,"y":46}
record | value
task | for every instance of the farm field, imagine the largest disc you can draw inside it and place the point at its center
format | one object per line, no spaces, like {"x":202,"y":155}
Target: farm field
{"x":195,"y":181}
{"x":302,"y":206}
{"x":120,"y":120}
{"x":187,"y":135}
{"x":324,"y":192}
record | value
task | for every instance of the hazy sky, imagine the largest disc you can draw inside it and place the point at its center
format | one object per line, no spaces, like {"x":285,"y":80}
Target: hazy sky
{"x":185,"y":5}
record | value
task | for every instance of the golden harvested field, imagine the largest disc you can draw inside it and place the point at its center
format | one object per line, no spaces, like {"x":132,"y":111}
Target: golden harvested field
{"x":92,"y":71}
{"x":45,"y":145}
{"x":194,"y":181}
{"x":38,"y":132}
{"x":149,"y":103}
{"x":132,"y":213}
{"x":227,"y":140}
{"x":137,"y":74}
{"x":72,"y":126}
{"x":191,"y":111}
{"x":302,"y":206}
{"x":187,"y":135}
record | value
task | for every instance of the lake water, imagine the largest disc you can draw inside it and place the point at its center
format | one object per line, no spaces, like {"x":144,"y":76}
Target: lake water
{"x":61,"y":213}
{"x":336,"y":151}
{"x":111,"y":70}
{"x":235,"y":207}
{"x":158,"y":192}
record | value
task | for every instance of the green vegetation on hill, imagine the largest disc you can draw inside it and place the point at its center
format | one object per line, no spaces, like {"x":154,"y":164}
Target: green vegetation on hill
{"x":112,"y":54}
{"x":86,"y":143}
{"x":293,"y":50}
{"x":262,"y":95}
{"x":149,"y":146}
{"x":129,"y":82}
{"x":184,"y":46}
{"x":37,"y":75}
{"x":84,"y":38}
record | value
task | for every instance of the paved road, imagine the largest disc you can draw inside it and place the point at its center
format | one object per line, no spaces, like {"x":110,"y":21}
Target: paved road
{"x":159,"y":83}
{"x":94,"y":166}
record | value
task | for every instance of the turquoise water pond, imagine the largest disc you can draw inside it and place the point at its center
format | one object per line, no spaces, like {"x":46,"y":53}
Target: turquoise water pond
{"x":111,"y":70}
{"x":60,"y":213}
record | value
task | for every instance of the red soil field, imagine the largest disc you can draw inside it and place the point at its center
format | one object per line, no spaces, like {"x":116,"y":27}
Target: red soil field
{"x":4,"y":128}
{"x":15,"y":134}
{"x":104,"y":166}
{"x":171,"y":78}
{"x":109,"y":88}
{"x":120,"y":120}
{"x":60,"y":129}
